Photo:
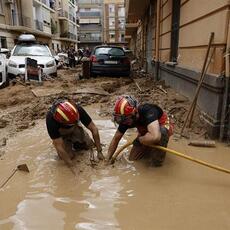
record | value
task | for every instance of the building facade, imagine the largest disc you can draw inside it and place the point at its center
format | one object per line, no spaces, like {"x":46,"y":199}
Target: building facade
{"x":114,"y":22}
{"x":170,"y":40}
{"x":90,"y":15}
{"x":52,"y":22}
{"x":65,"y":25}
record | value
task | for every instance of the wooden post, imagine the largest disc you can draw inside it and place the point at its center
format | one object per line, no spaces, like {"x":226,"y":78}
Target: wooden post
{"x":199,"y":83}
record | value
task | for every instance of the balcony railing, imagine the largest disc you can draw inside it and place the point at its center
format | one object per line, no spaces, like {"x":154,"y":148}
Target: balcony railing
{"x":68,"y":35}
{"x":89,"y":14}
{"x":21,"y":20}
{"x":85,"y":38}
{"x":49,"y":3}
{"x":38,"y":25}
{"x":89,"y":1}
{"x":72,"y":18}
{"x":63,"y":13}
{"x":72,"y":1}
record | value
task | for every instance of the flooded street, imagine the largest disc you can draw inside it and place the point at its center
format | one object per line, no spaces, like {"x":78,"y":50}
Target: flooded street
{"x":127,"y":196}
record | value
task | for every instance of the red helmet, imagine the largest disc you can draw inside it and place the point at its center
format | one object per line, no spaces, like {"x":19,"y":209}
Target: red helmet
{"x":125,"y":105}
{"x":66,"y":113}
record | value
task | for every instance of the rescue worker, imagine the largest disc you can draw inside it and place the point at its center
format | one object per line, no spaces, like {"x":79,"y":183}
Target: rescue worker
{"x":71,"y":56}
{"x":153,"y":125}
{"x":68,"y":136}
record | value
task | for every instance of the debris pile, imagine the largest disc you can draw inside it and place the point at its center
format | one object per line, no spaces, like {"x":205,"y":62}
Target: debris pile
{"x":22,"y":105}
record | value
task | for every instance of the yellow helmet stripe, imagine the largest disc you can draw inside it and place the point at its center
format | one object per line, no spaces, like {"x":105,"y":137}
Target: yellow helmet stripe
{"x":124,"y":102}
{"x":62,"y":114}
{"x":71,"y":106}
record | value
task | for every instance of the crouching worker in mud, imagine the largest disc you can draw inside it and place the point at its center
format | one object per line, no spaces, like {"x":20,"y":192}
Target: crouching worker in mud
{"x":153,"y":125}
{"x":64,"y":128}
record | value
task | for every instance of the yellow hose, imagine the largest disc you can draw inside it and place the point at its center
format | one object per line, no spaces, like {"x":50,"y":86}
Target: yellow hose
{"x":175,"y":153}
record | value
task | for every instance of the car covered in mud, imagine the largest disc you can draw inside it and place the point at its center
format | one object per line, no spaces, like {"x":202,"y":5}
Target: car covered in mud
{"x":109,"y":60}
{"x":3,"y":63}
{"x":27,"y":47}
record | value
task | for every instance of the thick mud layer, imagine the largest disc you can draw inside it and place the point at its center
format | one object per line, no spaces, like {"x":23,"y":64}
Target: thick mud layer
{"x":22,"y":104}
{"x":124,"y":196}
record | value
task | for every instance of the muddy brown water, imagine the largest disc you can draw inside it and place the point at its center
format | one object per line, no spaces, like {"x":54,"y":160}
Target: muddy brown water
{"x":129,"y":196}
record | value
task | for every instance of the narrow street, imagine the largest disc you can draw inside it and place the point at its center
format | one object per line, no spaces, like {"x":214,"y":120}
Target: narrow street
{"x":127,"y":195}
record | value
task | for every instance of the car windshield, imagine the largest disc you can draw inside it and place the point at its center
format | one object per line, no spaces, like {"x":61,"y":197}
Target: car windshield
{"x":31,"y":50}
{"x":109,"y":51}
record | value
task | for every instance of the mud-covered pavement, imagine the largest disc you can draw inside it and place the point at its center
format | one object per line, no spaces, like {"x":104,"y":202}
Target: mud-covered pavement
{"x":126,"y":196}
{"x":21,"y":105}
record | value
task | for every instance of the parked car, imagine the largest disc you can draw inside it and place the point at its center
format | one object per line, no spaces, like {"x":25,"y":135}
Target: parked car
{"x":109,"y":60}
{"x":3,"y":62}
{"x":28,"y":47}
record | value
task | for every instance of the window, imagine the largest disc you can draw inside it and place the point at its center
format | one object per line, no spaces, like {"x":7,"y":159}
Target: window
{"x":31,"y":50}
{"x":121,"y":37}
{"x":111,"y":23}
{"x":1,"y":7}
{"x":111,"y":8}
{"x":112,"y":36}
{"x":121,"y":23}
{"x":121,"y":12}
{"x":3,"y":43}
{"x":108,"y":50}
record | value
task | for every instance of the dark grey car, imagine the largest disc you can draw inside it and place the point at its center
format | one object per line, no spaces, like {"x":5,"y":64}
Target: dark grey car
{"x":109,"y":60}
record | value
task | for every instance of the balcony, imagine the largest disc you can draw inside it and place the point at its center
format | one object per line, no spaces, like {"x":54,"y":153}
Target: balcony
{"x":135,"y":9}
{"x":21,"y":20}
{"x":90,"y":14}
{"x":49,"y":3}
{"x":63,"y":14}
{"x":68,"y":35}
{"x":89,"y":38}
{"x":90,"y":1}
{"x":130,"y":28}
{"x":72,"y":18}
{"x":73,"y":2}
{"x":38,"y":25}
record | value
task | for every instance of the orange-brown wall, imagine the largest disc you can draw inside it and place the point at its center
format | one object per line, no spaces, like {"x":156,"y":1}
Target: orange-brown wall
{"x":198,"y":18}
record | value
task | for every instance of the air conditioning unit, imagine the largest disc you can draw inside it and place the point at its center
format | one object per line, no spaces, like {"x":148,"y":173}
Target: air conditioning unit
{"x":10,"y":1}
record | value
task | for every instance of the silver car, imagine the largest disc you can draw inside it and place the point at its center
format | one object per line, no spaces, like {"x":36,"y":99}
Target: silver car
{"x":3,"y":61}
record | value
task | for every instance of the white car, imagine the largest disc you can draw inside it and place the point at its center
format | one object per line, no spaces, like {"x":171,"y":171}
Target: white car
{"x":29,"y":48}
{"x":3,"y":76}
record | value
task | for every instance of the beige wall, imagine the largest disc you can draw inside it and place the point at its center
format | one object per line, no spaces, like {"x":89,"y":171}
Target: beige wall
{"x":198,"y":18}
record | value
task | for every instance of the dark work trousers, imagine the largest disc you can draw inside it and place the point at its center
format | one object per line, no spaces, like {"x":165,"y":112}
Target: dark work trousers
{"x":71,"y":63}
{"x":157,"y":156}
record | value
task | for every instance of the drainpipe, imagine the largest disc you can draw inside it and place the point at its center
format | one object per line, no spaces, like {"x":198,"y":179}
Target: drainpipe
{"x":157,"y":40}
{"x":226,"y":96}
